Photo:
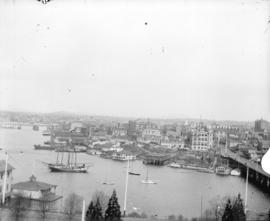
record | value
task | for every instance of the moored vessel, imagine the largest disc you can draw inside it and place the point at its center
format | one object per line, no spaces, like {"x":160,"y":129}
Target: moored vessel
{"x":46,"y":133}
{"x":175,"y":165}
{"x":123,"y":157}
{"x":236,"y":172}
{"x":71,"y":166}
{"x":147,"y":180}
{"x":223,"y":171}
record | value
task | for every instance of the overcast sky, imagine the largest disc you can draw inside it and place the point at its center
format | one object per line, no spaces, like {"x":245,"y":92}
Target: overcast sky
{"x":137,"y":58}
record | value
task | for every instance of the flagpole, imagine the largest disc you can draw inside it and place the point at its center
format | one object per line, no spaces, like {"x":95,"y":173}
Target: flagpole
{"x":83,"y":210}
{"x":125,"y":201}
{"x":5,"y":181}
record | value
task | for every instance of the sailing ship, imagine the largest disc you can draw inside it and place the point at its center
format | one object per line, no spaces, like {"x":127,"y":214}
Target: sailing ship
{"x":71,"y":165}
{"x":147,"y":180}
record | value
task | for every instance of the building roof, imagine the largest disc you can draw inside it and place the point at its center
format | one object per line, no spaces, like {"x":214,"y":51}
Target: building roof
{"x":32,"y":185}
{"x":3,"y":164}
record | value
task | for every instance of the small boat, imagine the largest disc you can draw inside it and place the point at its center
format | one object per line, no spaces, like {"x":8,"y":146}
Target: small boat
{"x":174,"y":165}
{"x":46,"y":133}
{"x":236,"y":172}
{"x":106,"y":183}
{"x":43,"y":147}
{"x":223,"y":171}
{"x":132,"y":172}
{"x":135,"y":174}
{"x":147,"y":181}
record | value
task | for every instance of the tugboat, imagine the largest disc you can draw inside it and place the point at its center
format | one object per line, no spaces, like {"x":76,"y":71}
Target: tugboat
{"x":222,"y":170}
{"x":123,"y":157}
{"x":71,"y":165}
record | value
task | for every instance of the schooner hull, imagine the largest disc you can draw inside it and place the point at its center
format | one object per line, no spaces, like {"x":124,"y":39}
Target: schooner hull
{"x":67,"y":169}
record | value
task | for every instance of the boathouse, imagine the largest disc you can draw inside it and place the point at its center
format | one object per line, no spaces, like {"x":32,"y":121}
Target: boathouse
{"x":155,"y":159}
{"x":35,"y":190}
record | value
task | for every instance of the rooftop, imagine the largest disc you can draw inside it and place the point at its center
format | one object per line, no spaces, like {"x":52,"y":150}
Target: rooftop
{"x":32,"y":185}
{"x":2,"y":166}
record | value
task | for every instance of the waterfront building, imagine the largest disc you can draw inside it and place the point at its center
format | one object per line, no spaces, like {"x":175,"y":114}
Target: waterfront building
{"x":35,"y":190}
{"x":202,"y":139}
{"x":8,"y":180}
{"x":262,"y":126}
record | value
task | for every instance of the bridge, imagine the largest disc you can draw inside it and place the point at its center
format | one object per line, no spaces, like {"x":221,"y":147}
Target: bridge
{"x":256,"y":174}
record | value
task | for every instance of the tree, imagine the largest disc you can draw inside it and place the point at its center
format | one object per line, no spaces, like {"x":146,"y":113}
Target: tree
{"x":228,"y":212}
{"x":97,"y":212}
{"x":72,"y":205}
{"x":89,"y":211}
{"x":44,"y":204}
{"x":94,"y":212}
{"x":18,"y":205}
{"x":113,"y":212}
{"x":238,"y":212}
{"x":103,"y":200}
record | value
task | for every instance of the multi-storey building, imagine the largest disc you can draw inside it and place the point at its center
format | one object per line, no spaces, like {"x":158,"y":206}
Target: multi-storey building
{"x":202,"y":139}
{"x":131,"y":131}
{"x":262,"y":126}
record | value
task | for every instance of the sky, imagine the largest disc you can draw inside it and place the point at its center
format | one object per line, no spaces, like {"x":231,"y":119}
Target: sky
{"x":165,"y":59}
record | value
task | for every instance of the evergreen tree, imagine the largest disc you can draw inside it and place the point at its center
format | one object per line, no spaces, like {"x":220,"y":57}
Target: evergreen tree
{"x":238,"y":210}
{"x":113,"y":212}
{"x":228,"y":213}
{"x":97,"y":212}
{"x":89,"y":212}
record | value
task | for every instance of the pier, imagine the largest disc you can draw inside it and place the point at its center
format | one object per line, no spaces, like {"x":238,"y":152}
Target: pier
{"x":156,"y":159}
{"x":256,"y":175}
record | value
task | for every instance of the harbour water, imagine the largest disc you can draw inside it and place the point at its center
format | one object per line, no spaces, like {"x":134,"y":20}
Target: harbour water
{"x":177,"y":190}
